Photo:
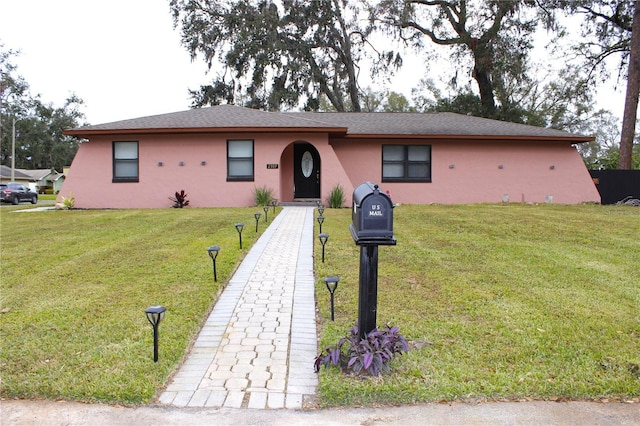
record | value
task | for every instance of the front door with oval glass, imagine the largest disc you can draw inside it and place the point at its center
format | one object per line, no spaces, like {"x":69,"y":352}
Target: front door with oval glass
{"x":306,"y":171}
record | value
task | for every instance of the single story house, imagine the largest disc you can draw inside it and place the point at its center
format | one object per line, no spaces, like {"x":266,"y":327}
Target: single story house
{"x":7,"y":176}
{"x":219,"y":155}
{"x":38,"y":180}
{"x":46,"y":180}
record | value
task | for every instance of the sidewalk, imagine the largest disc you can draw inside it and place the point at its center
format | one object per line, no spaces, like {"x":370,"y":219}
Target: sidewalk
{"x":536,"y":413}
{"x":257,"y":347}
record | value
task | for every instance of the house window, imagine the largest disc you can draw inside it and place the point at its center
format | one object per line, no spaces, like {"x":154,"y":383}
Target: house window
{"x":240,"y":160}
{"x":406,"y":163}
{"x":125,"y":162}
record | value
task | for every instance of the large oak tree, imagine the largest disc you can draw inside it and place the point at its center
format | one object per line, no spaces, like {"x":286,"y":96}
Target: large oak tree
{"x":277,"y":54}
{"x":491,"y":37}
{"x":610,"y":29}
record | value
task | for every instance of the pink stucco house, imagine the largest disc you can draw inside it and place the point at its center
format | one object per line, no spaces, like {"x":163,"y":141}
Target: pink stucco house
{"x":220,"y":154}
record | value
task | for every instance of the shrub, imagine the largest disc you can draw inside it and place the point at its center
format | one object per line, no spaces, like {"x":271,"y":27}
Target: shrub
{"x":180,"y":200}
{"x":67,"y":203}
{"x":336,"y":197}
{"x":371,"y":354}
{"x":262,"y":196}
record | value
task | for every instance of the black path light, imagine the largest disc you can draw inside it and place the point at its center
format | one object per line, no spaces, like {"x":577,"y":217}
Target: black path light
{"x":155,"y":314}
{"x":320,"y":222}
{"x":332,"y":285}
{"x":213,"y":253}
{"x":320,"y":209}
{"x":257,"y":216}
{"x":273,"y":204}
{"x":323,"y":240}
{"x":239,"y":227}
{"x":266,"y":211}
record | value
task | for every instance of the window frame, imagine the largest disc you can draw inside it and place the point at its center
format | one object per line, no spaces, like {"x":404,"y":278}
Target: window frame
{"x":241,"y":178}
{"x":406,"y":162}
{"x":116,"y":161}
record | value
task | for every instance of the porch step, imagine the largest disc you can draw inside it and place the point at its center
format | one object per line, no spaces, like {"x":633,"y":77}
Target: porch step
{"x":300,"y":202}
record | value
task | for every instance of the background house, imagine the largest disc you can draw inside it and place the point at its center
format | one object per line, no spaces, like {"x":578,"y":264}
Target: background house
{"x":18,"y":176}
{"x":38,"y":180}
{"x":219,"y":155}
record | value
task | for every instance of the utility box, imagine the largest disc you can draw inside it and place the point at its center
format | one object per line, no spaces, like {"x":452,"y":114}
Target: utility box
{"x":372,"y":216}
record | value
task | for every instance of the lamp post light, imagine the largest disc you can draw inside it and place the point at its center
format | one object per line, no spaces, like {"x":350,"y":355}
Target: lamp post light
{"x":257,"y":216}
{"x":266,"y":211}
{"x":320,"y":209}
{"x":155,"y":314}
{"x":239,"y":227}
{"x":273,"y":204}
{"x":323,"y":240}
{"x":13,"y":151}
{"x":320,"y":221}
{"x":332,"y":285}
{"x":213,"y":253}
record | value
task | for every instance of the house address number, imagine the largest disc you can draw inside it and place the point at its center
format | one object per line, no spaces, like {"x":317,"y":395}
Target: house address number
{"x":272,"y":166}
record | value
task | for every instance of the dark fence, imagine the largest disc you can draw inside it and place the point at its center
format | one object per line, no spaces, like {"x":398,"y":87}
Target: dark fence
{"x":616,"y":185}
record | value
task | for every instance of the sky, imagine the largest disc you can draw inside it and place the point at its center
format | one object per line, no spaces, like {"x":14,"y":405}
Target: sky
{"x":124,"y":58}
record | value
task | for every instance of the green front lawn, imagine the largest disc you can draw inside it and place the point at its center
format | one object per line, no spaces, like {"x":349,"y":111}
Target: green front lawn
{"x":499,"y":301}
{"x":75,"y":285}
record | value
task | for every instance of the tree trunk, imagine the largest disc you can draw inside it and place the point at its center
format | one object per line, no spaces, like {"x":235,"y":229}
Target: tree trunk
{"x":631,"y":99}
{"x":485,"y":86}
{"x":482,"y":74}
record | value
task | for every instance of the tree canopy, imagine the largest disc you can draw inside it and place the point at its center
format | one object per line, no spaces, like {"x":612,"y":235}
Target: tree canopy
{"x":494,"y":37}
{"x":277,"y":54}
{"x":40,"y":143}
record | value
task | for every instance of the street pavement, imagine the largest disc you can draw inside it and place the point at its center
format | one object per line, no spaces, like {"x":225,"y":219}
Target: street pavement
{"x":46,"y":413}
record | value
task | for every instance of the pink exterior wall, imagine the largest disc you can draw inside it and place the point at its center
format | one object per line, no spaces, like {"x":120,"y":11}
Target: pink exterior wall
{"x":90,"y":177}
{"x":475,"y":176}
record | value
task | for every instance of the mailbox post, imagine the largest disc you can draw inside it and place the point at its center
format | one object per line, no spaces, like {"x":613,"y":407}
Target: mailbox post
{"x":372,"y":226}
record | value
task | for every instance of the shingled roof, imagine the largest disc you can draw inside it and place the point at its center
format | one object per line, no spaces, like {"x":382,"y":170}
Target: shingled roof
{"x":225,"y":118}
{"x":437,"y":124}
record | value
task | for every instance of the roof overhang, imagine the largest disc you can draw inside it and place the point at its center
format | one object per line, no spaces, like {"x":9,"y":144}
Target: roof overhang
{"x":482,"y":138}
{"x":84,"y":133}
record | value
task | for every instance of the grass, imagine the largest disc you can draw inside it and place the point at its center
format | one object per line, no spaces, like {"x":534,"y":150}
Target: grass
{"x":75,"y":285}
{"x":500,"y":302}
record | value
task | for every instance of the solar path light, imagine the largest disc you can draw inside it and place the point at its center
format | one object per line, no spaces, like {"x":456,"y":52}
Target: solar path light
{"x":213,"y":253}
{"x":332,"y":285}
{"x":320,"y":209}
{"x":320,"y":221}
{"x":257,"y":216}
{"x":266,"y":211}
{"x":155,"y":314}
{"x":239,"y":227}
{"x":323,"y":240}
{"x":273,"y":204}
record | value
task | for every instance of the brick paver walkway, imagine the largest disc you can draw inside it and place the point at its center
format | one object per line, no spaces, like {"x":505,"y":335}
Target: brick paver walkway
{"x":257,"y":347}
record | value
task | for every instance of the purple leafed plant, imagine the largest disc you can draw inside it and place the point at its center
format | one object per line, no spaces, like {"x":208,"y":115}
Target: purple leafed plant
{"x":370,"y":355}
{"x":180,"y":200}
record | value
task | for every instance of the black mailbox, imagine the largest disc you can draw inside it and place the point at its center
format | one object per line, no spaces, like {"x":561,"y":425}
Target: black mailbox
{"x":372,"y":216}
